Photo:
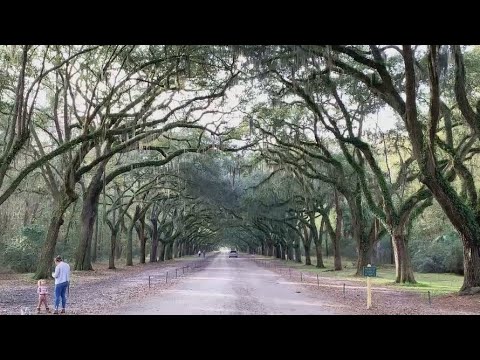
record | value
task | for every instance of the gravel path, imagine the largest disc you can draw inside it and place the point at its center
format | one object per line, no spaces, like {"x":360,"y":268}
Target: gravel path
{"x":235,"y":286}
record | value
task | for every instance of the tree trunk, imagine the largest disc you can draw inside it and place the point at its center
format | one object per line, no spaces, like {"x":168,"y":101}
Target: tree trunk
{"x":392,"y":252}
{"x":130,"y":244}
{"x":175,"y":249}
{"x":87,"y":218}
{"x":269,"y":249}
{"x":338,"y":233}
{"x":161,"y":251}
{"x":95,"y":239}
{"x":298,"y":253}
{"x":118,"y":247}
{"x":168,"y":251}
{"x":318,"y":250}
{"x":290,"y":252}
{"x":278,"y":251}
{"x":69,"y":226}
{"x":113,"y":243}
{"x":326,"y":246}
{"x":181,"y":250}
{"x":471,"y":265}
{"x":358,"y":233}
{"x":318,"y":245}
{"x":306,"y":246}
{"x":48,"y":250}
{"x":403,"y":267}
{"x":337,"y":262}
{"x":153,"y":252}
{"x":367,"y":246}
{"x":142,"y":238}
{"x":263,"y":249}
{"x":364,"y":257}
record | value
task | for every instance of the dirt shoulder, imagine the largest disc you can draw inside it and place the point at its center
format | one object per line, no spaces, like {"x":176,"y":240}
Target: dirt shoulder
{"x":100,"y":291}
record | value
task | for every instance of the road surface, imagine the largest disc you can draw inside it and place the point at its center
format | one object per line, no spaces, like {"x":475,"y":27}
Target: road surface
{"x":236,"y":286}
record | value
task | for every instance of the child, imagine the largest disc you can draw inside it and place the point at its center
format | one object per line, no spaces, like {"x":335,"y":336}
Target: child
{"x":42,"y":291}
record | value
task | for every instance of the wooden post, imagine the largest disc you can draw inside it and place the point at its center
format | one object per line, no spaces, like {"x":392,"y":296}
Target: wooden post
{"x":318,"y":283}
{"x":149,"y":276}
{"x":369,"y":291}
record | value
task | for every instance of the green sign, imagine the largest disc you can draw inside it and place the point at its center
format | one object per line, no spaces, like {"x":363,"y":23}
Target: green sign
{"x":370,"y":271}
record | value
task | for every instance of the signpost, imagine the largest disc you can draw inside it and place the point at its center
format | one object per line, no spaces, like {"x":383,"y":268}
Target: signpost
{"x":369,"y":271}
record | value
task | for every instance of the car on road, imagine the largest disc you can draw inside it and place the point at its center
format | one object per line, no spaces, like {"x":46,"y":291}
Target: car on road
{"x":233,"y":253}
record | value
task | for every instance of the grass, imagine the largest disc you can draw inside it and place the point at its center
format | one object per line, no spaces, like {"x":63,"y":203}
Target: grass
{"x":437,"y":284}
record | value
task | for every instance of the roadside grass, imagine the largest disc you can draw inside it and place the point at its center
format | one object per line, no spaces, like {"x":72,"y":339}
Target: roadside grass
{"x":437,"y":284}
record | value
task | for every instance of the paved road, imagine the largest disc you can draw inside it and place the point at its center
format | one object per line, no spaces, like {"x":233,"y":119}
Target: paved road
{"x":235,"y":286}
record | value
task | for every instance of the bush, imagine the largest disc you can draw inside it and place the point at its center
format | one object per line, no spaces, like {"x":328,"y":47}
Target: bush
{"x":442,"y":255}
{"x":21,"y":253}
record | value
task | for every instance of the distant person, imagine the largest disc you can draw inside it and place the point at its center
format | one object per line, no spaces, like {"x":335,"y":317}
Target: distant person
{"x":42,"y":291}
{"x":62,"y":281}
{"x":199,"y":253}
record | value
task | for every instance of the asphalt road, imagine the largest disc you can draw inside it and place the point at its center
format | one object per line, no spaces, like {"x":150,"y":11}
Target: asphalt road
{"x":235,"y":286}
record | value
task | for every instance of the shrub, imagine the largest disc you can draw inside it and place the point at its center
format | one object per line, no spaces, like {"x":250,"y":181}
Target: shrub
{"x":442,"y":255}
{"x":21,"y":253}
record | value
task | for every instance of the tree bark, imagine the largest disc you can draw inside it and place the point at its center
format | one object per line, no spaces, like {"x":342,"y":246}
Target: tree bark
{"x":130,"y":244}
{"x":306,"y":245}
{"x":118,"y":247}
{"x":269,"y":248}
{"x":290,"y":252}
{"x":338,"y":233}
{"x":392,"y":252}
{"x":318,"y":245}
{"x":168,"y":251}
{"x":318,"y":251}
{"x":278,"y":251}
{"x":298,"y":253}
{"x":161,"y":251}
{"x":87,"y":219}
{"x":95,"y":239}
{"x":142,"y":237}
{"x":359,"y":234}
{"x":153,"y":252}
{"x":175,"y":249}
{"x":48,"y":250}
{"x":403,"y":267}
{"x":471,"y":265}
{"x":113,"y":243}
{"x":364,"y":257}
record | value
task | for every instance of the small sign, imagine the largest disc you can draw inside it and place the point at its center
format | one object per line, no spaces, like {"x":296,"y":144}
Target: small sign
{"x":370,"y":271}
